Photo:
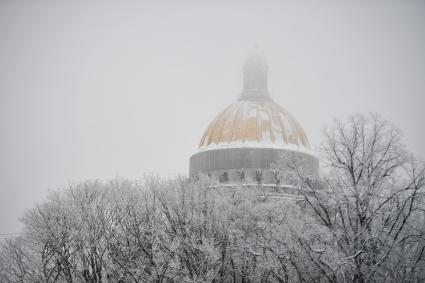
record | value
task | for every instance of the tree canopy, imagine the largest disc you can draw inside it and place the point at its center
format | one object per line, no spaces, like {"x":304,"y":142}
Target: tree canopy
{"x":362,"y":220}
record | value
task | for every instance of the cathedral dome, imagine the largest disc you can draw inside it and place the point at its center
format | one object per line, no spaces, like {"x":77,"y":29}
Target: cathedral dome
{"x":255,"y":123}
{"x":253,"y":138}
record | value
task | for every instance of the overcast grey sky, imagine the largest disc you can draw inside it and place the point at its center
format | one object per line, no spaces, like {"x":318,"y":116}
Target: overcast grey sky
{"x":96,"y":89}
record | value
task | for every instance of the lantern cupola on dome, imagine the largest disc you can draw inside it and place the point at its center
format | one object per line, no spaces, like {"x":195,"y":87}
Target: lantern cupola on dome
{"x":255,"y":78}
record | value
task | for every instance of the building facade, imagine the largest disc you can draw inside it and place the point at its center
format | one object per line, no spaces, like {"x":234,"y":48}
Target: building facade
{"x":254,"y":140}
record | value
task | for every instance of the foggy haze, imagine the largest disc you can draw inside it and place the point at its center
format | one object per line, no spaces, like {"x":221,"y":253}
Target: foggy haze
{"x":121,"y":88}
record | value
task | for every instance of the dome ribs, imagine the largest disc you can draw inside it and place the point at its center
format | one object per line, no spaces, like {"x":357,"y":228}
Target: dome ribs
{"x":251,"y":123}
{"x":227,"y":127}
{"x":256,"y":123}
{"x":236,"y":125}
{"x":209,"y":134}
{"x":298,"y":135}
{"x":220,"y":125}
{"x":269,"y":111}
{"x":282,"y":127}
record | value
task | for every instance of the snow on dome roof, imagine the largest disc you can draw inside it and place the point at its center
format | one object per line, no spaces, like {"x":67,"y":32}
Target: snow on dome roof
{"x":255,"y":123}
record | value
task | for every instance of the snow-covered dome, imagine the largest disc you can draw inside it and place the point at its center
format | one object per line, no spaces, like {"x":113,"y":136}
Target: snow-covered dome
{"x":255,"y":120}
{"x":252,"y":136}
{"x":255,"y":123}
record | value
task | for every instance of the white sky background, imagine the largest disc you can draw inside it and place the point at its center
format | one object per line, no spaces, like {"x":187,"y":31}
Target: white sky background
{"x":117,"y":88}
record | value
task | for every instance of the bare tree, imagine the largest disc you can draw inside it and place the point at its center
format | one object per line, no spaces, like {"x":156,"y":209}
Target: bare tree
{"x":17,"y":263}
{"x":369,"y":204}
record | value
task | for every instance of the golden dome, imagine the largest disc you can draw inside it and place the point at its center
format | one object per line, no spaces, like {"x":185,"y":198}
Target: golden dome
{"x":261,"y":123}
